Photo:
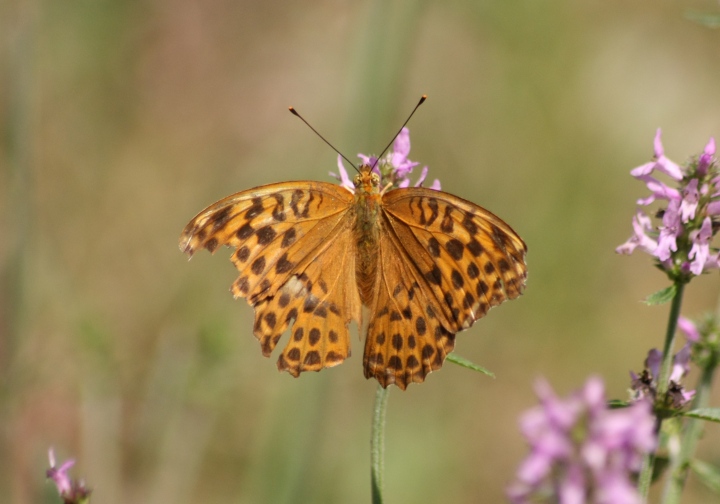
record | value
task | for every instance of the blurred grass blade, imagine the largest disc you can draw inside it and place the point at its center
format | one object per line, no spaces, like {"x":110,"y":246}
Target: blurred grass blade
{"x":703,"y":18}
{"x":460,"y":361}
{"x":708,"y":474}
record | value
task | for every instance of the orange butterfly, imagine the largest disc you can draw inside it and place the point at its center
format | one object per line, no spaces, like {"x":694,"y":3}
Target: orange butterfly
{"x":424,"y":264}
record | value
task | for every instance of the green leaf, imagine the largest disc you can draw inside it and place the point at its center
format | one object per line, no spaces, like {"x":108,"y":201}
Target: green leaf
{"x":711,"y":414}
{"x":708,"y":474}
{"x":617,"y":404}
{"x":460,"y":361}
{"x":661,"y":296}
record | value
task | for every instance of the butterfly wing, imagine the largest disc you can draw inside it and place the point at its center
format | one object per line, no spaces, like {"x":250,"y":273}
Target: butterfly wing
{"x":291,"y":242}
{"x":444,"y":263}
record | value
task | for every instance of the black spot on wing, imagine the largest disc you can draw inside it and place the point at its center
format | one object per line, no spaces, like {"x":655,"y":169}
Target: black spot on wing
{"x":266,"y":235}
{"x":255,"y":210}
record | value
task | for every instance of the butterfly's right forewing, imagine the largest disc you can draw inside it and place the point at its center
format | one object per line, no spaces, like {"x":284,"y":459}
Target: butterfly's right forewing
{"x":444,"y":262}
{"x":471,"y":258}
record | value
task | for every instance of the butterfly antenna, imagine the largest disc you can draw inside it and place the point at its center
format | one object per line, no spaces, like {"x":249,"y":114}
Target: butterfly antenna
{"x":295,"y":112}
{"x":422,"y":99}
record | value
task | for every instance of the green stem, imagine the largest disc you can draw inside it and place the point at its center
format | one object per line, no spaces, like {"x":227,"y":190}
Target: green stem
{"x":663,"y":382}
{"x":691,"y":434}
{"x":377,"y":444}
{"x":645,"y":477}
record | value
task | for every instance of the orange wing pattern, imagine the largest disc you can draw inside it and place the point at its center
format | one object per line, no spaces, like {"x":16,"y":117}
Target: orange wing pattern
{"x":291,"y":242}
{"x":444,"y":263}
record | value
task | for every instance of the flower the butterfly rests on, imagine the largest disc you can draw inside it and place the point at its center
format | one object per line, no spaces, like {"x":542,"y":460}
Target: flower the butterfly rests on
{"x":425,"y":265}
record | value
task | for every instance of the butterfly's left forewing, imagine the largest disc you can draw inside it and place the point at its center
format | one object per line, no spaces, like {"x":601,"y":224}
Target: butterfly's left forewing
{"x":291,"y":242}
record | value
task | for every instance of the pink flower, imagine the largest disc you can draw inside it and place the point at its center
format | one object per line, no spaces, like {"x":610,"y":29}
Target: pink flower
{"x":60,"y":474}
{"x":370,"y":161}
{"x":681,"y":242}
{"x":700,"y":251}
{"x":394,"y":168}
{"x":713,"y":208}
{"x":71,"y":491}
{"x":706,"y":158}
{"x":658,"y":189}
{"x":689,"y":203}
{"x":661,"y":163}
{"x":581,"y":451}
{"x":343,"y":177}
{"x":689,"y":328}
{"x":669,"y":231}
{"x":399,"y":155}
{"x":642,"y":225}
{"x":644,"y":386}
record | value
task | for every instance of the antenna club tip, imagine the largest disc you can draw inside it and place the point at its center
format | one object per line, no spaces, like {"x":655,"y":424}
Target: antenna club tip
{"x":292,"y":110}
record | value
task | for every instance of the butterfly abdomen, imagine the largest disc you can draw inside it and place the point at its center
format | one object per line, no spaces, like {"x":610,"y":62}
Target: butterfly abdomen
{"x":367,"y":237}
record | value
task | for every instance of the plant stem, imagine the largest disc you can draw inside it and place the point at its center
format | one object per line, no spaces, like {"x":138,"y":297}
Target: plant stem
{"x":645,"y":476}
{"x":377,"y":444}
{"x":691,"y":434}
{"x":663,"y":382}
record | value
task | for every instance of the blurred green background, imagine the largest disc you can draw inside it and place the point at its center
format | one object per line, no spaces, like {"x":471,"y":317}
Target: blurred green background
{"x":122,"y":119}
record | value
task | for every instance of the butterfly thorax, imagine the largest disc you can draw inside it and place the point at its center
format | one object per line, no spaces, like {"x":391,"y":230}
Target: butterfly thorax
{"x":367,"y":231}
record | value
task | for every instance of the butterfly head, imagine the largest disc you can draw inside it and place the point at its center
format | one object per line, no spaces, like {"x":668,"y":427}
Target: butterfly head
{"x":367,"y":181}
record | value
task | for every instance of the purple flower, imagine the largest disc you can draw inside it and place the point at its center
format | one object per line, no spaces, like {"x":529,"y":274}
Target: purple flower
{"x":581,"y":451}
{"x":641,"y":226}
{"x":343,"y":177}
{"x":704,"y":335}
{"x":706,"y":158}
{"x":614,"y":488}
{"x":713,"y":208}
{"x":71,"y":491}
{"x":669,"y":231}
{"x":658,"y":189}
{"x":661,"y":163}
{"x":681,"y":241}
{"x":689,"y":203}
{"x":700,"y":251}
{"x":689,"y":328}
{"x":394,"y":168}
{"x":644,"y":386}
{"x":60,"y":474}
{"x":399,"y":155}
{"x":423,"y":176}
{"x":369,"y":160}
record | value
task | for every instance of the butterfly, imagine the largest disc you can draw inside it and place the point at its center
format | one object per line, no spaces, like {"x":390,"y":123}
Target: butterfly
{"x":412,"y":265}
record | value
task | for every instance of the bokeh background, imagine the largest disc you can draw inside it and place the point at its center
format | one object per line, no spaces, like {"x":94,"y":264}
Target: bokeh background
{"x":120,"y":120}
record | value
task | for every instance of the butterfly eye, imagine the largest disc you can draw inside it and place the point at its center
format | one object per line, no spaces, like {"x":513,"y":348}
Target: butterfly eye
{"x":375,"y":179}
{"x":356,"y":181}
